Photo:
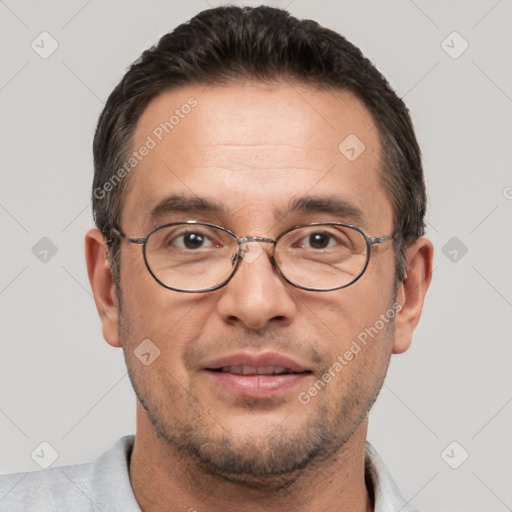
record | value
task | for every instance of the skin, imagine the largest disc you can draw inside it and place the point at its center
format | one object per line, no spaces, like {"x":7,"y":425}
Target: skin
{"x":255,"y":146}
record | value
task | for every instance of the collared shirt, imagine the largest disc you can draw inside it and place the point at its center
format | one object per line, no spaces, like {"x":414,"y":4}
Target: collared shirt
{"x":105,"y":485}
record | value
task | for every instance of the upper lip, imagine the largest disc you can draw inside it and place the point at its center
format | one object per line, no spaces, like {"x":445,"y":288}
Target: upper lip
{"x":262,"y":359}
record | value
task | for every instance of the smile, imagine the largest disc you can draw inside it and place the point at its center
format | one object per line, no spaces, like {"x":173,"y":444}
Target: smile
{"x":256,"y":375}
{"x":256,"y":370}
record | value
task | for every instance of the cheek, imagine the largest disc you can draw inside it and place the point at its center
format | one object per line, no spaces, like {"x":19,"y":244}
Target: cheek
{"x":360,"y":363}
{"x":172,"y":321}
{"x":147,"y":303}
{"x":357,"y":329}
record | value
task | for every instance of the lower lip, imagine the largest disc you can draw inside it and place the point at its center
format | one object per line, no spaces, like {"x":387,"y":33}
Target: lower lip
{"x":257,"y":386}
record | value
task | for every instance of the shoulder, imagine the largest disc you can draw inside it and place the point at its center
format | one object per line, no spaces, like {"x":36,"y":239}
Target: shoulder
{"x":74,"y":488}
{"x":44,"y":490}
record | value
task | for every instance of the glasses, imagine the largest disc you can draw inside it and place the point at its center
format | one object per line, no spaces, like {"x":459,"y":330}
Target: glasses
{"x":196,"y":257}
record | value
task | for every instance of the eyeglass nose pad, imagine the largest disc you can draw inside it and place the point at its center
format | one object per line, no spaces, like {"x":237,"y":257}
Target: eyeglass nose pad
{"x":250,"y":253}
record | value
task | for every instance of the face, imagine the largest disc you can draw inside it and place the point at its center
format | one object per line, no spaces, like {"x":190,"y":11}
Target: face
{"x":254,"y":150}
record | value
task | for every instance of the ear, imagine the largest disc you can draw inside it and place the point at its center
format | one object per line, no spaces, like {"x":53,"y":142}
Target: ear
{"x":103,"y":286}
{"x":411,"y":292}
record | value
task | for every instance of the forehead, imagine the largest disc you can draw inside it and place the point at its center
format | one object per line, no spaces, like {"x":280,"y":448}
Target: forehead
{"x":254,"y":147}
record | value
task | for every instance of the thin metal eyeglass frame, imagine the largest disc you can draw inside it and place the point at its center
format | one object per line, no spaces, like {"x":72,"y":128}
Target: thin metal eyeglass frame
{"x":237,"y":257}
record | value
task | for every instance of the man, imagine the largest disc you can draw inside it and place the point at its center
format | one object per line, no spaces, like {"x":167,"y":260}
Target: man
{"x":259,"y":202}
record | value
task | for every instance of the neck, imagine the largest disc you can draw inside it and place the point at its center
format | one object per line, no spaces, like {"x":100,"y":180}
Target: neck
{"x":164,"y":479}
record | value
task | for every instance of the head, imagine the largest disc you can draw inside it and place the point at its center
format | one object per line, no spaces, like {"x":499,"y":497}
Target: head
{"x":248,"y":109}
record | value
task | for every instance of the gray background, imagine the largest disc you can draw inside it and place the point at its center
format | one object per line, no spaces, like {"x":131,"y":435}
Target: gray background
{"x":59,"y":380}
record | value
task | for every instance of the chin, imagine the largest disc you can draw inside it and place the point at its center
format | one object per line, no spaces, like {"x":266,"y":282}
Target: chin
{"x":270,"y":460}
{"x":260,"y":453}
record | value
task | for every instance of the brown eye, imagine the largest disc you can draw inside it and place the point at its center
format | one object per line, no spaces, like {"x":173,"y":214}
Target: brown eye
{"x":193,"y":240}
{"x":319,"y":240}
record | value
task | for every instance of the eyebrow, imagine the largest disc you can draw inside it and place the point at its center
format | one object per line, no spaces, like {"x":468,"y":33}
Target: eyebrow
{"x":337,"y":206}
{"x":186,"y":204}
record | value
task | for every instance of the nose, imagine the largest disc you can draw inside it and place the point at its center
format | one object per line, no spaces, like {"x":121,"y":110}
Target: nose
{"x":257,"y":295}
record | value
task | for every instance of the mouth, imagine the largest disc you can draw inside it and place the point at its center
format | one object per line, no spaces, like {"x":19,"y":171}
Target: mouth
{"x":256,"y":370}
{"x":256,"y":375}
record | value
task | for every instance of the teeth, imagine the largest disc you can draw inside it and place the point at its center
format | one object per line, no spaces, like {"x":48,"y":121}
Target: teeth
{"x":255,"y":370}
{"x":266,"y":370}
{"x":249,"y":370}
{"x":279,"y":369}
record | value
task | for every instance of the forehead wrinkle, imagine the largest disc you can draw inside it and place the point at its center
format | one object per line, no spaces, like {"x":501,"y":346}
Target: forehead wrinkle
{"x":260,"y":158}
{"x":264,"y":145}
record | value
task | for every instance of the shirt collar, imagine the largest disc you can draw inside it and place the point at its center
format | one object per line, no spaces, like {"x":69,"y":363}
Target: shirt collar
{"x":386,"y":496}
{"x":383,"y":490}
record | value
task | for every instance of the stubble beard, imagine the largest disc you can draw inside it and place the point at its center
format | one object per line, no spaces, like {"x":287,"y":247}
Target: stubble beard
{"x":274,"y":461}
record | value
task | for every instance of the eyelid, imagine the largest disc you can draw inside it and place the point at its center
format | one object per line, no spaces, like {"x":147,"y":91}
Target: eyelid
{"x":335,"y":233}
{"x":178,"y":232}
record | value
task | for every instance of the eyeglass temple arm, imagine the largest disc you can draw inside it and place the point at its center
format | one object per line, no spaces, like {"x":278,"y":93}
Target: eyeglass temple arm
{"x":380,"y":239}
{"x":116,"y":235}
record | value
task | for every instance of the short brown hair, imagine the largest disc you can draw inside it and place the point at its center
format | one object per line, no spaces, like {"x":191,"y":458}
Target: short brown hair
{"x":262,"y":43}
